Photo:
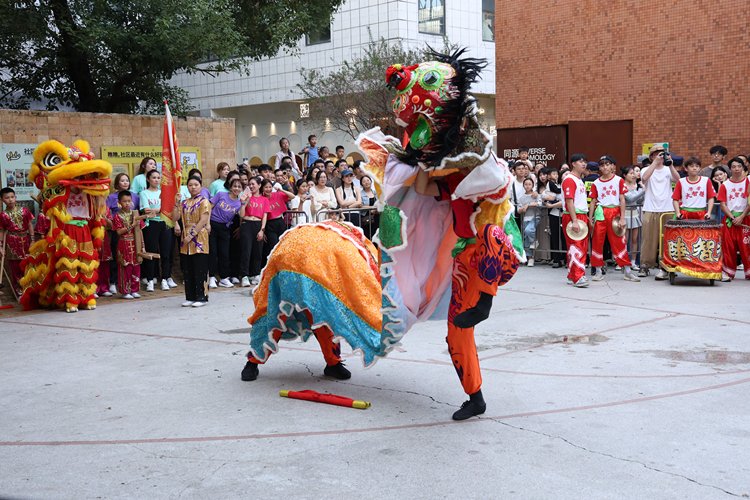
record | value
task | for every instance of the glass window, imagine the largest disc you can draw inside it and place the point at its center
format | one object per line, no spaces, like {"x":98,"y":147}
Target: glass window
{"x":488,"y":20}
{"x":319,"y":34}
{"x":431,"y":16}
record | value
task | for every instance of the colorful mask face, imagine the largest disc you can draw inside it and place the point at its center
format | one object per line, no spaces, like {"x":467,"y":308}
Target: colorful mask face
{"x":423,"y":91}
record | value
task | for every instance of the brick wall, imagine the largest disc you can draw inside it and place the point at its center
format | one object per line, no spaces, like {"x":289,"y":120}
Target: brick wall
{"x":214,"y":136}
{"x":679,"y":69}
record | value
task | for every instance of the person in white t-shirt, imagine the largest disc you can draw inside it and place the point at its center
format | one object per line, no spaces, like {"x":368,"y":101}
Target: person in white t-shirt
{"x":576,"y":210}
{"x":735,"y":234}
{"x":658,"y":179}
{"x":608,"y":192}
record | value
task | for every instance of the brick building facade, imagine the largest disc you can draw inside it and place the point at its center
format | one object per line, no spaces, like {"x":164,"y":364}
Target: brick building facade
{"x":680,"y":70}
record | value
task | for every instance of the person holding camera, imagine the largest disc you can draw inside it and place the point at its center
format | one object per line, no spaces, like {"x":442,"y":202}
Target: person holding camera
{"x":657,"y":201}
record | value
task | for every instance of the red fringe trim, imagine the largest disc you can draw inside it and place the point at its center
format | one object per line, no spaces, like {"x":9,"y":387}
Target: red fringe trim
{"x":75,"y":278}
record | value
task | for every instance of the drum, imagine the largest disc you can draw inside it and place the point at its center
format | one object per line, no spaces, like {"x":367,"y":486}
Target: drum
{"x":693,"y":248}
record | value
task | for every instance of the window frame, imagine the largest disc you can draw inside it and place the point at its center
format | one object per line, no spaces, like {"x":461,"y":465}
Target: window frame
{"x":439,"y":20}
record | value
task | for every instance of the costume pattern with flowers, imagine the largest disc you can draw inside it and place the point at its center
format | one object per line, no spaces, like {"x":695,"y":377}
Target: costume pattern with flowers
{"x":61,"y":269}
{"x":421,"y":269}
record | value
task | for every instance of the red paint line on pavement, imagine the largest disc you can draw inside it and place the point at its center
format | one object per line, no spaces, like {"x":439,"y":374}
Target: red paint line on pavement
{"x":336,"y":432}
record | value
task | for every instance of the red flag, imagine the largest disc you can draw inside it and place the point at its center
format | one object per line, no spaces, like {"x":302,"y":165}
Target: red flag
{"x":171,"y":170}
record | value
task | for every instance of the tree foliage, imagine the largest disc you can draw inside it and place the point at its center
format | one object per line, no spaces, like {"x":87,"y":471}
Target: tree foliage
{"x":354,"y":97}
{"x":118,"y":56}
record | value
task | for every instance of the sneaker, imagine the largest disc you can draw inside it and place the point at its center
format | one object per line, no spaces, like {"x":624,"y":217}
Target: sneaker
{"x":171,"y":283}
{"x":661,"y":275}
{"x":725,"y":278}
{"x":150,"y":286}
{"x":250,"y":372}
{"x":136,"y":295}
{"x":618,"y":268}
{"x":556,"y":265}
{"x":144,"y":281}
{"x":127,"y":296}
{"x":337,"y":371}
{"x":635,"y":267}
{"x":470,"y":409}
{"x":212,"y":282}
{"x":643,"y":272}
{"x":255,"y":280}
{"x":96,"y":295}
{"x":107,"y":294}
{"x":113,"y":289}
{"x":199,"y":304}
{"x":164,"y":285}
{"x":187,"y":303}
{"x":530,"y":262}
{"x":598,"y":276}
{"x":225,"y":283}
{"x":582,"y":283}
{"x":235,"y":281}
{"x":568,"y":281}
{"x":245,"y":281}
{"x":631,"y":277}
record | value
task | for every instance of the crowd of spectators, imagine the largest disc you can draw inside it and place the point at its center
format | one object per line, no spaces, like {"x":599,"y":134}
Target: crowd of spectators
{"x":652,"y":187}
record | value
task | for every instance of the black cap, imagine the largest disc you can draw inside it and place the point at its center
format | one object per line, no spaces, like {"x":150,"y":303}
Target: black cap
{"x":607,"y":158}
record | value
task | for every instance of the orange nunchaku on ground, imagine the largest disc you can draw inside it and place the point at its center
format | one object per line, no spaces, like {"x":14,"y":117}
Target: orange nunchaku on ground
{"x":331,"y":399}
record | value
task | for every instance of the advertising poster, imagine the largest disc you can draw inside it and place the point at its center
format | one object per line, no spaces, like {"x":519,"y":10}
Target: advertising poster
{"x":546,"y":144}
{"x":15,"y":162}
{"x":647,"y":146}
{"x":128,"y":158}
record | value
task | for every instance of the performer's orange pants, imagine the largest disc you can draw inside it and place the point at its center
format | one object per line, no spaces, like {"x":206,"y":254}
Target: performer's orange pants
{"x":733,"y":240}
{"x":480,"y":268}
{"x":577,"y":250}
{"x":323,"y":334}
{"x":603,"y":229}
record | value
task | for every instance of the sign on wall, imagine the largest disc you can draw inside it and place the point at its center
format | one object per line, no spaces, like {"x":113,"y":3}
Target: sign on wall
{"x":15,"y":163}
{"x":546,"y":144}
{"x":128,"y":158}
{"x":647,"y":147}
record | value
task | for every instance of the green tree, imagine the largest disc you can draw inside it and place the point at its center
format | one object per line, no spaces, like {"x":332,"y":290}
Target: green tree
{"x":354,"y":97}
{"x":118,"y":56}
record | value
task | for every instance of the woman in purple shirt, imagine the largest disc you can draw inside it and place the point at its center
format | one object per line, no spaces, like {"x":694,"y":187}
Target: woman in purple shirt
{"x":224,"y":206}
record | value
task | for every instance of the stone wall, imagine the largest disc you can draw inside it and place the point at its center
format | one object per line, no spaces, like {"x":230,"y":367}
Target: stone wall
{"x":214,"y":136}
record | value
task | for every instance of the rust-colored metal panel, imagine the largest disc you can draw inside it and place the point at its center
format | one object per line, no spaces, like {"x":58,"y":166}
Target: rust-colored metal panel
{"x":598,"y":138}
{"x":546,"y":144}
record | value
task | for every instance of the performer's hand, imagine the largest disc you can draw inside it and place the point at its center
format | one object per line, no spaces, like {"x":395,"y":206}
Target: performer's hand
{"x":261,"y":235}
{"x":177,"y":229}
{"x":621,"y":223}
{"x":576,"y":228}
{"x":737,"y":221}
{"x":707,"y":216}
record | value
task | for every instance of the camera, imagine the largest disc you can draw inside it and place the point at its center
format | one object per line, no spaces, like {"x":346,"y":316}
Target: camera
{"x":667,"y":159}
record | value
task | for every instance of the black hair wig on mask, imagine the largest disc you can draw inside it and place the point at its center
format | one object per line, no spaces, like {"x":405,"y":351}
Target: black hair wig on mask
{"x":451,"y":122}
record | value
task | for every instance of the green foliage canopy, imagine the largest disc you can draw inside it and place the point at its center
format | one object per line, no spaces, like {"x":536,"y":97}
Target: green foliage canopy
{"x":118,"y":56}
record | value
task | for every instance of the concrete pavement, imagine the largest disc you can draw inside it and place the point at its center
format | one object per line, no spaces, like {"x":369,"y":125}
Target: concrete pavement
{"x":621,"y":390}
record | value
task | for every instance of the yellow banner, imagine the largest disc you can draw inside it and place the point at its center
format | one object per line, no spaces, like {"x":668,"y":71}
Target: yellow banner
{"x":128,"y":158}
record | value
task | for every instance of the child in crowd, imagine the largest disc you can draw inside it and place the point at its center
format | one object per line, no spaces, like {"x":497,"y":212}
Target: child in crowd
{"x":634,"y":195}
{"x":735,"y":235}
{"x":310,"y":152}
{"x":528,"y":208}
{"x":16,"y":233}
{"x":608,"y":192}
{"x":693,"y":196}
{"x":125,"y":223}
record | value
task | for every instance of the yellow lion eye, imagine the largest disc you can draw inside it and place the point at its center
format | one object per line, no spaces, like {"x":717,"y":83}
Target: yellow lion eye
{"x":51,"y":160}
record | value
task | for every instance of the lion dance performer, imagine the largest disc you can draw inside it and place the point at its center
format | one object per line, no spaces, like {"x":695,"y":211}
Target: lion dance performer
{"x":61,"y":269}
{"x":446,"y":234}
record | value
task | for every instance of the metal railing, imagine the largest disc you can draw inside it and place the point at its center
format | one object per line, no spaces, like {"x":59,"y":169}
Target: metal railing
{"x":366,"y":218}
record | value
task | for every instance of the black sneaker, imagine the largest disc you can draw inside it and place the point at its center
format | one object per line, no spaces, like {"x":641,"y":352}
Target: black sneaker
{"x":474,"y":406}
{"x":250,"y":372}
{"x":337,"y":371}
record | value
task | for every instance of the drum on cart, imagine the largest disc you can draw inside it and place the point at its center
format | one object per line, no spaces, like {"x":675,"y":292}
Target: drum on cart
{"x":693,"y":248}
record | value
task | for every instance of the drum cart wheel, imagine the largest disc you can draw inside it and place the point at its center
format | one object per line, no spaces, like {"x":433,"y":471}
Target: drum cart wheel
{"x":672,"y":277}
{"x":711,"y":282}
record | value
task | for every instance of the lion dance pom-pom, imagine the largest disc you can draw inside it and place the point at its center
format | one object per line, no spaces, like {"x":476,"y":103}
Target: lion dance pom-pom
{"x":61,"y":269}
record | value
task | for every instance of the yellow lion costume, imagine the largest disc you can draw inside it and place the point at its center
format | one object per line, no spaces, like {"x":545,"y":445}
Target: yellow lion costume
{"x":61,"y":269}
